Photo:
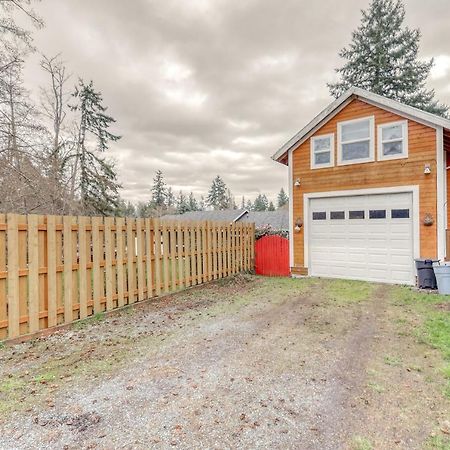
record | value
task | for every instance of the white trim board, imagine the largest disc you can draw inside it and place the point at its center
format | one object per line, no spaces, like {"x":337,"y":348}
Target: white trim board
{"x":291,"y":209}
{"x":441,"y":175}
{"x":414,"y":189}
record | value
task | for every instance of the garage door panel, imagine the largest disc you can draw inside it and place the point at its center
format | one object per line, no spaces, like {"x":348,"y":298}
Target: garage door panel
{"x":371,"y":249}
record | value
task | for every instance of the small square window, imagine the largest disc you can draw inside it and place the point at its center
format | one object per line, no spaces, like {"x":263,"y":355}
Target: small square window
{"x":400,"y":214}
{"x":356,"y":215}
{"x":393,"y":140}
{"x":337,"y":215}
{"x":322,"y":151}
{"x":377,"y":214}
{"x":319,"y":215}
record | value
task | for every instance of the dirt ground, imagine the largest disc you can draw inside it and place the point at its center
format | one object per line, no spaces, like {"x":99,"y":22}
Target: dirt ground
{"x":246,"y":362}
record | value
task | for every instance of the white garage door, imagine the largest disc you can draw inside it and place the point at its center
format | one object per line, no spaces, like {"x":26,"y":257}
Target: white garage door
{"x":367,"y":237}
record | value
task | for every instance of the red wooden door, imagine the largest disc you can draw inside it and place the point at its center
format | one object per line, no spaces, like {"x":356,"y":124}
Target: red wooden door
{"x":272,"y":256}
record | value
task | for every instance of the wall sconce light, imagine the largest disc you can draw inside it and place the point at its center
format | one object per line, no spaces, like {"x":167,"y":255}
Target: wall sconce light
{"x":427,"y":169}
{"x":297,"y":182}
{"x":298,"y":225}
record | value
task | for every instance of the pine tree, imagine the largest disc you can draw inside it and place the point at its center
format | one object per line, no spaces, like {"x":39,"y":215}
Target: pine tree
{"x":202,"y":204}
{"x":271,"y":207}
{"x":218,"y":195}
{"x":182,"y":203}
{"x":243,"y":202}
{"x":231,"y":204}
{"x":192,"y":202}
{"x":383,"y":58}
{"x":170,"y":198}
{"x":261,"y":203}
{"x":249,"y":205}
{"x":97,"y":176}
{"x":159,"y":190}
{"x":283,"y":199}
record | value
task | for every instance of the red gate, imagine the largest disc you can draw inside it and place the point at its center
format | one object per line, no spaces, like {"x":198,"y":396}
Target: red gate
{"x":272,"y":256}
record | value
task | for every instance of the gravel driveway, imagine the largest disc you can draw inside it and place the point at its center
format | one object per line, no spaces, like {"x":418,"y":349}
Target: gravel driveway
{"x":246,"y":362}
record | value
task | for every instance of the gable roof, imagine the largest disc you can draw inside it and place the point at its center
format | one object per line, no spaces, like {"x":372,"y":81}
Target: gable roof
{"x":278,"y":220}
{"x":377,"y":100}
{"x":225,"y":215}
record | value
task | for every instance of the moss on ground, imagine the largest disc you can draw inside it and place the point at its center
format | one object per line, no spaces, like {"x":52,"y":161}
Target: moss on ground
{"x":344,"y":292}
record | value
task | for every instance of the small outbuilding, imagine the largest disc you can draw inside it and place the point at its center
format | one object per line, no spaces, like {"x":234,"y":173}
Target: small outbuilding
{"x":367,"y":189}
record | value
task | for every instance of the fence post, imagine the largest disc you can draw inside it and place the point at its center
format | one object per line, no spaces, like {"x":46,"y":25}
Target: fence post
{"x":149,"y":256}
{"x":82,"y":266}
{"x":13,"y":276}
{"x":157,"y":233}
{"x":67,"y":251}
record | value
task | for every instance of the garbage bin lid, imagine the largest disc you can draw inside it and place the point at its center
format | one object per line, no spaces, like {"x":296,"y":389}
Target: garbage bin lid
{"x":426,"y":259}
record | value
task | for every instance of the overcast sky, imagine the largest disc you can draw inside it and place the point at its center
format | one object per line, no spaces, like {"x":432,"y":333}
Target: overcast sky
{"x":207,"y":87}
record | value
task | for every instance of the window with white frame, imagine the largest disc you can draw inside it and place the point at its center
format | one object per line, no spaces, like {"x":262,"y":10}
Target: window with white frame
{"x":355,"y":141}
{"x":322,"y":151}
{"x":393,"y":140}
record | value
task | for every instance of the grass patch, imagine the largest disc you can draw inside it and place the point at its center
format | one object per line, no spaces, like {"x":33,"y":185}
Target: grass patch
{"x":361,"y":443}
{"x":80,"y":324}
{"x":392,"y":360}
{"x":376,"y":387}
{"x":438,"y":443}
{"x":434,"y":327}
{"x":348,"y":291}
{"x":45,"y":377}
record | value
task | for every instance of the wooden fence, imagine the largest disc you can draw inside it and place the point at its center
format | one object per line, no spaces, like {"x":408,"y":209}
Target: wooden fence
{"x":54,"y":270}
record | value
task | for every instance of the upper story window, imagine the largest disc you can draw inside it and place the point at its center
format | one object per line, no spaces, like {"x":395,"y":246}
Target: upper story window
{"x":355,"y":141}
{"x":393,"y":140}
{"x":322,"y":151}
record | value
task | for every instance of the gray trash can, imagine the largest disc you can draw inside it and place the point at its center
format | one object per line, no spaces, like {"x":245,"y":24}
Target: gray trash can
{"x":425,"y":273}
{"x":443,"y":278}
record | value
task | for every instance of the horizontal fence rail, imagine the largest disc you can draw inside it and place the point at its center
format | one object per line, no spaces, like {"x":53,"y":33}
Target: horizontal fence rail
{"x":55,"y":270}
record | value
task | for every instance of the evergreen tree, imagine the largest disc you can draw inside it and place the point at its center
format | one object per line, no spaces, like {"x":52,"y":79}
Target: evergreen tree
{"x":283,"y":199}
{"x":249,"y":205}
{"x":243,"y":202}
{"x":383,"y":58}
{"x":202,"y":204}
{"x":97,"y":176}
{"x":192,"y":202}
{"x":218,"y":195}
{"x":170,"y":198}
{"x":231,"y":204}
{"x":145,"y":209}
{"x":261,"y":203}
{"x":271,"y":207}
{"x":182,"y":203}
{"x":125,"y":209}
{"x":159,"y":190}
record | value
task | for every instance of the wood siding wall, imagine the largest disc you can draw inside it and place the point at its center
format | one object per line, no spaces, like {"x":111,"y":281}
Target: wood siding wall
{"x":377,"y":174}
{"x":54,"y":270}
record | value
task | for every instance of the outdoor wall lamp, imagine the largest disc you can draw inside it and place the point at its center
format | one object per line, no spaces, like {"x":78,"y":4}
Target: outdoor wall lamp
{"x":297,"y":182}
{"x":298,"y":225}
{"x":427,"y":169}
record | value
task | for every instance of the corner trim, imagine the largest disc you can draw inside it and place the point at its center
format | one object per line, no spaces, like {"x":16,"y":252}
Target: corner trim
{"x":440,"y":193}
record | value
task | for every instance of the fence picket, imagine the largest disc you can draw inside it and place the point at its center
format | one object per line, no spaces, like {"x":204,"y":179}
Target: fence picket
{"x":33,"y":273}
{"x":157,"y":228}
{"x":149,"y":256}
{"x":67,"y":249}
{"x":82,"y":267}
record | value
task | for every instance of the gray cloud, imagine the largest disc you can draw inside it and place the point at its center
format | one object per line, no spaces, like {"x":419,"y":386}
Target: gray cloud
{"x":214,"y":86}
